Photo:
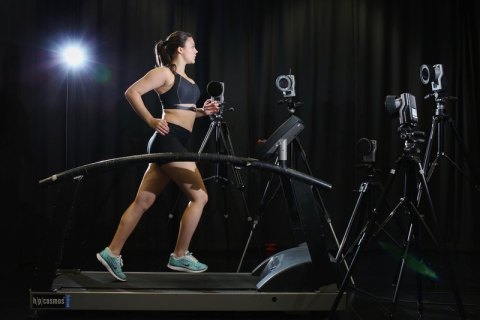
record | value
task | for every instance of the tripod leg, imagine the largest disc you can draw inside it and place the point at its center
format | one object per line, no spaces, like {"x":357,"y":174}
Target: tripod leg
{"x":363,"y":189}
{"x":428,"y":149}
{"x":441,"y":246}
{"x":205,"y":140}
{"x":464,"y":174}
{"x":465,"y":153}
{"x":361,"y":244}
{"x":402,"y":266}
{"x":416,"y":239}
{"x":320,"y":203}
{"x":227,"y":141}
{"x":223,"y":138}
{"x":225,"y":215}
{"x":257,"y":217}
{"x":400,"y":226}
{"x":317,"y":192}
{"x":364,"y":237}
{"x":390,"y":216}
{"x":432,"y":167}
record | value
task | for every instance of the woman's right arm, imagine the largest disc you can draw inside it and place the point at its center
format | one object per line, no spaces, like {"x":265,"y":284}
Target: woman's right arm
{"x":154,"y":79}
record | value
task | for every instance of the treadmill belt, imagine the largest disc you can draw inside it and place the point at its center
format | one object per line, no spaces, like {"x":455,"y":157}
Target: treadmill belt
{"x":159,"y":280}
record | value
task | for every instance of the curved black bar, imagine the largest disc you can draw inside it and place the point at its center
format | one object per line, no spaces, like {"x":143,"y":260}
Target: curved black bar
{"x":107,"y":165}
{"x":290,"y":173}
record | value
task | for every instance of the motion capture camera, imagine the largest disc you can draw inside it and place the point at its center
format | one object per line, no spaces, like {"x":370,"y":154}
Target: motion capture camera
{"x":286,"y":84}
{"x":434,"y":75}
{"x":367,"y":148}
{"x":403,"y":107}
{"x":215,"y":90}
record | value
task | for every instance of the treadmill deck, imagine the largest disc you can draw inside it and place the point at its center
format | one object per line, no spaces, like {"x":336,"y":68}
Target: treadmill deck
{"x":169,"y":291}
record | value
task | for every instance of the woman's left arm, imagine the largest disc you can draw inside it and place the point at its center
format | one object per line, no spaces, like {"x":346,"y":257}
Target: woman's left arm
{"x":209,"y":108}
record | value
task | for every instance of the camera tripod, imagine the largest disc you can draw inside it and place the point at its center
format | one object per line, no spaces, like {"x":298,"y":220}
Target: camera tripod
{"x":438,"y":125}
{"x":365,"y":200}
{"x":413,"y":171}
{"x":223,"y":145}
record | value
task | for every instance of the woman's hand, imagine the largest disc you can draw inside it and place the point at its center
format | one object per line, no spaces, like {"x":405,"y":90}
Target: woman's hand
{"x":210,"y":107}
{"x":160,"y":125}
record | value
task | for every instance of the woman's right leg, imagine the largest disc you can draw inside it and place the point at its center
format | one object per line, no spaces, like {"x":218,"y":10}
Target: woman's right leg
{"x":153,"y":182}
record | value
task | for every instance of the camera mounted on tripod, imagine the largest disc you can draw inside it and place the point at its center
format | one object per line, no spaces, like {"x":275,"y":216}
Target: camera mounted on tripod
{"x":434,"y":74}
{"x":367,"y":149}
{"x":286,"y":84}
{"x":404,"y":108}
{"x":216,"y":91}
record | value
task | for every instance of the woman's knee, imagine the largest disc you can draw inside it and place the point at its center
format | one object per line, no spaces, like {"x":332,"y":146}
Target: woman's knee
{"x":144,"y":200}
{"x":201,"y":198}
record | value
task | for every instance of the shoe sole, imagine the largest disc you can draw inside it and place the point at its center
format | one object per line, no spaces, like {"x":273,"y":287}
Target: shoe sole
{"x":185,"y":269}
{"x":105,"y":264}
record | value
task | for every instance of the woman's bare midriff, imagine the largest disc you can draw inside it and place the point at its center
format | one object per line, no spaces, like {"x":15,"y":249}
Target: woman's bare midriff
{"x":182,"y":118}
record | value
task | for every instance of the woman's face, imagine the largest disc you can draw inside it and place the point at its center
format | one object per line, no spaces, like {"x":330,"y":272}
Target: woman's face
{"x":189,"y":51}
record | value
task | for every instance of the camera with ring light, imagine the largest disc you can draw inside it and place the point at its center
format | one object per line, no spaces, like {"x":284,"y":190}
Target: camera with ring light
{"x":286,"y":84}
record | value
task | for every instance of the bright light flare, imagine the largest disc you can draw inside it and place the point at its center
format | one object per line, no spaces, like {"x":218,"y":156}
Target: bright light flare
{"x":74,"y":56}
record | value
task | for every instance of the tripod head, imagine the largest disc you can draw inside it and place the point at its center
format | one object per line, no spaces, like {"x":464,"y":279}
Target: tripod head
{"x":440,"y":99}
{"x":411,"y":138}
{"x":219,"y":115}
{"x":370,"y":168}
{"x":291,"y":104}
{"x":407,"y":134}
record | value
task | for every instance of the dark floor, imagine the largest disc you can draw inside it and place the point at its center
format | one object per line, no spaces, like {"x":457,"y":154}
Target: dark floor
{"x":370,"y":299}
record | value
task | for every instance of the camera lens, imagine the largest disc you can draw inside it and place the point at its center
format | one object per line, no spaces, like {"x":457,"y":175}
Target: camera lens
{"x":284,"y":83}
{"x":214,"y":88}
{"x":391,"y":105}
{"x":364,"y":146}
{"x":427,"y":74}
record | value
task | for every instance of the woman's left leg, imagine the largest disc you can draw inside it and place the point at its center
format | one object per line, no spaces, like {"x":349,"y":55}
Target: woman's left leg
{"x":188,"y":178}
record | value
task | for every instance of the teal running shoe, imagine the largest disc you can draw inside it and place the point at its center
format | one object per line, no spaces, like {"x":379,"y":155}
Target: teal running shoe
{"x":187,"y":263}
{"x":113,"y":264}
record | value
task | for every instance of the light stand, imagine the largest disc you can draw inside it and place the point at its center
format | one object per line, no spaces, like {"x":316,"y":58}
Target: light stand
{"x":66,"y":122}
{"x":73,"y":57}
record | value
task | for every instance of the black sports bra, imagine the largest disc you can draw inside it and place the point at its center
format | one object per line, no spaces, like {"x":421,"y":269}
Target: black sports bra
{"x":182,"y":92}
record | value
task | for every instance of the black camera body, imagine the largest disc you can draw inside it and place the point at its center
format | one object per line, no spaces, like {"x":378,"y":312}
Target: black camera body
{"x":367,"y":148}
{"x":433,"y":74}
{"x":403,"y":107}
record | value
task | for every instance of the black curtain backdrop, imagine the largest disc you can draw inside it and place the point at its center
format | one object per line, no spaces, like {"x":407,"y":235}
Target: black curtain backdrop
{"x":346,"y":56}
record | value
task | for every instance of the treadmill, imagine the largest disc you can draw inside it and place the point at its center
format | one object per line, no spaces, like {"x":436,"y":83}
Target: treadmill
{"x":299,"y":279}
